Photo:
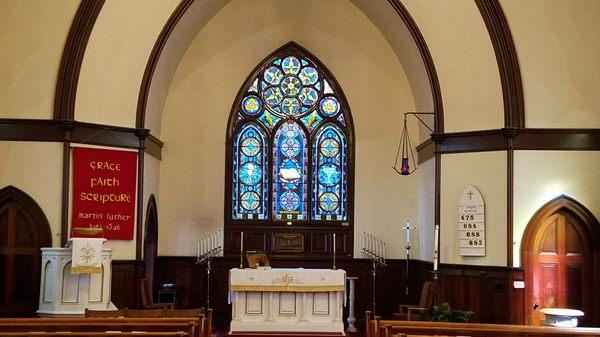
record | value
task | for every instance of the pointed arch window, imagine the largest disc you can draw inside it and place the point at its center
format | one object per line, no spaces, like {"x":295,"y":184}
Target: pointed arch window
{"x":291,"y":145}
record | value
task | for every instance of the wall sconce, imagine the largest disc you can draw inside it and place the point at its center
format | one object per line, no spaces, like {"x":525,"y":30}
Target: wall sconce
{"x":405,"y":148}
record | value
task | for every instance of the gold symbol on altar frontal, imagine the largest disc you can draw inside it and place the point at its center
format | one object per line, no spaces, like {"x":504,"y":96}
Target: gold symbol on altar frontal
{"x":287,"y":279}
{"x":87,"y":253}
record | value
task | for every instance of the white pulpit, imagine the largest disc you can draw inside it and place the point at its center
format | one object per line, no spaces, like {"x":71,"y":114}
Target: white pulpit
{"x":65,"y":294}
{"x":282,"y":299}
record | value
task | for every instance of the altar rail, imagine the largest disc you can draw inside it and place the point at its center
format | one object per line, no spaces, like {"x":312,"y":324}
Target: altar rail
{"x":392,"y":328}
{"x":155,"y":326}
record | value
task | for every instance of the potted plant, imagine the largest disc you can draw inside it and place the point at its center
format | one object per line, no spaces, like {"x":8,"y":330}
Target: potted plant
{"x":443,"y":313}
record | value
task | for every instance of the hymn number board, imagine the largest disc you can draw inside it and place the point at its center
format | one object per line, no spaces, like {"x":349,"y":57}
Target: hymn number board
{"x":471,"y":223}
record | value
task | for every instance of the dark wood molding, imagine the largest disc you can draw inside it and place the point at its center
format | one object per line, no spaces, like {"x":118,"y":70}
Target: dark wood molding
{"x":163,"y":37}
{"x":471,"y":141}
{"x":36,"y":130}
{"x":515,"y":139}
{"x":48,"y":130}
{"x":72,"y":58}
{"x":425,"y":151}
{"x":140,"y":204}
{"x":153,"y":146}
{"x":510,"y":168}
{"x":434,"y":82}
{"x":508,"y":63}
{"x":558,"y":139}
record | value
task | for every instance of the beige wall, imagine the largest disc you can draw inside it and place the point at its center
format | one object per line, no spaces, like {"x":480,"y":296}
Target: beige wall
{"x":464,"y":59}
{"x":36,"y":169}
{"x":557,"y":45}
{"x":487,"y":172}
{"x":541,"y":176}
{"x":426,"y":223}
{"x":115,"y":59}
{"x":211,"y":73}
{"x":195,"y":17}
{"x":32,"y":36}
{"x":151,"y":180}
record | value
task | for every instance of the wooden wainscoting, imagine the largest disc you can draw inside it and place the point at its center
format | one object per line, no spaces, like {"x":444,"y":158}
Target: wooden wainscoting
{"x":488,"y":291}
{"x":125,"y":292}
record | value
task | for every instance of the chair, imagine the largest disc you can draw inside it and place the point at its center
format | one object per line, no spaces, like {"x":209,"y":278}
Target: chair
{"x":423,"y":310}
{"x":147,"y":301}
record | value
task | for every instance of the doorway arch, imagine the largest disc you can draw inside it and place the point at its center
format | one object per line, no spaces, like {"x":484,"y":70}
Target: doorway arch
{"x":559,"y":251}
{"x":151,"y":241}
{"x":24,"y":230}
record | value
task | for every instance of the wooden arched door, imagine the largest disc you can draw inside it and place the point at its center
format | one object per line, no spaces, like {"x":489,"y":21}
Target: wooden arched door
{"x":558,"y":255}
{"x":24,"y":230}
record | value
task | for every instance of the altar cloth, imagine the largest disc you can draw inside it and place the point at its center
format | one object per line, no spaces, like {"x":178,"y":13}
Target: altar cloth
{"x":287,"y":279}
{"x":285,"y":299}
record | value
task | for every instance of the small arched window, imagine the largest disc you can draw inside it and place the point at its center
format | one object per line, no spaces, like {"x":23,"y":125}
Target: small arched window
{"x":290,"y":146}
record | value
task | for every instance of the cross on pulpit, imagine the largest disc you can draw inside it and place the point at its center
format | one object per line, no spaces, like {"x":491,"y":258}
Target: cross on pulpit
{"x":470,"y":194}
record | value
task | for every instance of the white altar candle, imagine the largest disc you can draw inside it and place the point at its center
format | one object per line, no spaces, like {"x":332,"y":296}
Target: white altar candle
{"x":373,"y":244}
{"x":198,"y":250}
{"x":407,"y":231}
{"x":364,"y":241}
{"x":334,"y":242}
{"x":242,"y":242}
{"x":436,"y":246}
{"x":384,"y":251}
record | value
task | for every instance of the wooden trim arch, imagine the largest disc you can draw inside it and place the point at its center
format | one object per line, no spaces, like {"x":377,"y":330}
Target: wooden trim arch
{"x":587,"y":220}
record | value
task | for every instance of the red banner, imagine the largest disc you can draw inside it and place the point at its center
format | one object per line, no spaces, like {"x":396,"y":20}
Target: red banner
{"x":104,"y":183}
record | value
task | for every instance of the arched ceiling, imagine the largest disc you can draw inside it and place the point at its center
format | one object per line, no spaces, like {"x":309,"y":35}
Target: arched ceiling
{"x":126,"y":32}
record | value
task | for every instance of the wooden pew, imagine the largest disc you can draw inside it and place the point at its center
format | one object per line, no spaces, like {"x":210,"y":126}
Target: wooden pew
{"x":187,"y":325}
{"x":200,"y":316}
{"x":94,"y":334}
{"x":387,"y":328}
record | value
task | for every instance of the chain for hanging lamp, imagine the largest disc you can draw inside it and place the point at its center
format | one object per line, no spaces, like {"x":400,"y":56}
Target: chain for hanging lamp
{"x":405,"y":150}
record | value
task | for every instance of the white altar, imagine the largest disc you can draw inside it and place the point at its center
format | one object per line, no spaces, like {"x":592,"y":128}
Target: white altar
{"x":66,"y":294}
{"x":282,"y":299}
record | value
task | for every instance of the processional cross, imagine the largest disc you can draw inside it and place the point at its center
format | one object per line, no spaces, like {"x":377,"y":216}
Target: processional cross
{"x":407,"y":228}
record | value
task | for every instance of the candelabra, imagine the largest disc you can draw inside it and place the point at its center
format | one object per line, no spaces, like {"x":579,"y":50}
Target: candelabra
{"x":374,"y":249}
{"x":208,"y":248}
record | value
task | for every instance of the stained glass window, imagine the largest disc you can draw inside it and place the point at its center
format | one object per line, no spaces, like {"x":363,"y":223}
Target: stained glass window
{"x":290,"y":183}
{"x":250,"y":188}
{"x":329,"y":178}
{"x":291,"y":138}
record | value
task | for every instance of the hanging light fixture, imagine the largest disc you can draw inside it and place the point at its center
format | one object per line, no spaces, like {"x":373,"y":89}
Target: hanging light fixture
{"x":405,"y":150}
